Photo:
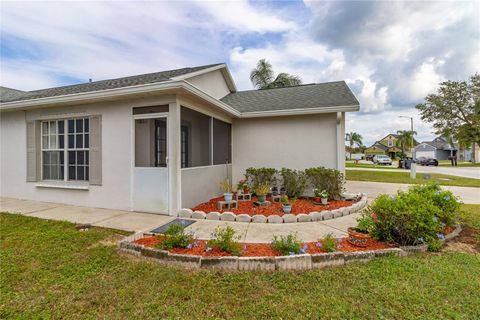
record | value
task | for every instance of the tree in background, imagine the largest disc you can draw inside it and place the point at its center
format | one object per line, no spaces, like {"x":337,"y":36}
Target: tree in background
{"x":355,"y":138}
{"x":405,"y":140}
{"x":263,"y":77}
{"x":455,"y":110}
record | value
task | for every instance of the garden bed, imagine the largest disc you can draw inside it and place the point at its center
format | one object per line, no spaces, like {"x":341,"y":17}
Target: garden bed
{"x":275,"y":208}
{"x":260,"y":249}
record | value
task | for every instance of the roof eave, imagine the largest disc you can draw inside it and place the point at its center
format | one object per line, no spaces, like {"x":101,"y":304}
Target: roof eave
{"x":299,"y":111}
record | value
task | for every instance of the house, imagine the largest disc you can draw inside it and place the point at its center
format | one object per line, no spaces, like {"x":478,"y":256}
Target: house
{"x":386,"y":146}
{"x":440,"y":149}
{"x":162,"y":141}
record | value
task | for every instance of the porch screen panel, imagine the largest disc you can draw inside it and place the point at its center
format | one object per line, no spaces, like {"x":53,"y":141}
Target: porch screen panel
{"x":195,"y":139}
{"x":222,"y":142}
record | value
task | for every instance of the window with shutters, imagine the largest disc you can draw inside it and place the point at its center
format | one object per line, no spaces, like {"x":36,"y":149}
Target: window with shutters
{"x":65,"y":149}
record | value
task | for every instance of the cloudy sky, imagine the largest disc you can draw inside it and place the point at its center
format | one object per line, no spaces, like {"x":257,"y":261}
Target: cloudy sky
{"x":391,"y":54}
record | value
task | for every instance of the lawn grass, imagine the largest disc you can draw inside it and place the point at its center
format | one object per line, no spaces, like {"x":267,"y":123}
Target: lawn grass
{"x":349,"y":164}
{"x":50,"y":270}
{"x":404,"y":177}
{"x":447,"y":163}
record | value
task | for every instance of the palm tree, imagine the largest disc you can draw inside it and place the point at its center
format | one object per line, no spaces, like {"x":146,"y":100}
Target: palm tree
{"x":262,"y":77}
{"x":405,"y":139}
{"x":355,"y":138}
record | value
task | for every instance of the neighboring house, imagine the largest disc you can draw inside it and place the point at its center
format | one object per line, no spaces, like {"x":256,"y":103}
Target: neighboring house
{"x":387,"y":146}
{"x":162,"y":141}
{"x":440,"y":149}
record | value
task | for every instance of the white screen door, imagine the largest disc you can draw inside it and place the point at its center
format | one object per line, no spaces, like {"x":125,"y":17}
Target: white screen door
{"x":150,"y":172}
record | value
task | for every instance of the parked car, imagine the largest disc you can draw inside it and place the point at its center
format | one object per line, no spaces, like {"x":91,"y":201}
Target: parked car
{"x":382,"y":159}
{"x":424,"y":161}
{"x":369,"y":157}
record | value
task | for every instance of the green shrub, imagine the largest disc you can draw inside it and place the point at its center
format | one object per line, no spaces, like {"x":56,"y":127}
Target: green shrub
{"x":175,"y":237}
{"x":434,"y":244}
{"x":330,"y":243}
{"x":418,"y":215}
{"x":224,"y":239}
{"x":294,"y":182}
{"x":330,"y":180}
{"x":260,"y":176}
{"x":287,"y":245}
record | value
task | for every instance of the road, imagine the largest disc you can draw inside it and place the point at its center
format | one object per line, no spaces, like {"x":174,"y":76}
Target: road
{"x":466,"y":172}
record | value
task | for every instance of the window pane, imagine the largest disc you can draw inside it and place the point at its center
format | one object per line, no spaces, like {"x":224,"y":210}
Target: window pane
{"x":71,"y":173}
{"x":62,"y":171}
{"x":46,"y":157}
{"x":79,"y":140}
{"x":150,"y":142}
{"x":61,"y":125}
{"x":44,"y":128}
{"x":79,"y":125}
{"x":45,"y":142}
{"x":87,"y":161}
{"x":53,"y":142}
{"x":81,"y":157}
{"x":222,"y":142}
{"x":87,"y":141}
{"x":195,"y":128}
{"x":71,"y":157}
{"x":71,"y":126}
{"x":86,"y":123}
{"x":53,"y":127}
{"x":71,"y":141}
{"x":61,"y":141}
{"x":87,"y":177}
{"x":80,"y":173}
{"x":46,"y":172}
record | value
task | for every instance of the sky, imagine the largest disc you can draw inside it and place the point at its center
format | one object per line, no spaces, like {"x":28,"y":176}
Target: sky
{"x":391,"y":54}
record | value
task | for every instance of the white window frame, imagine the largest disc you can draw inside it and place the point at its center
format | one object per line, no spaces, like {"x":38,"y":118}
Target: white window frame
{"x":66,"y":148}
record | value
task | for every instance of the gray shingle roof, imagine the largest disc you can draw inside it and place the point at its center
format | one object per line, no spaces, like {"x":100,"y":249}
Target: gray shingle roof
{"x":329,"y":94}
{"x":7,"y":96}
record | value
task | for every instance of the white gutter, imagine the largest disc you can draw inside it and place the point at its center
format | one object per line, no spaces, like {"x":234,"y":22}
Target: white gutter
{"x":299,"y":111}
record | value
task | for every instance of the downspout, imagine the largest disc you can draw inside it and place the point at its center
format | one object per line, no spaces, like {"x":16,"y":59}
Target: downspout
{"x":340,"y":165}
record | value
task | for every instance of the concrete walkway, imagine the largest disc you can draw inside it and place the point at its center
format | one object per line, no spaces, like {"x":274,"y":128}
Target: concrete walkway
{"x":250,"y":232}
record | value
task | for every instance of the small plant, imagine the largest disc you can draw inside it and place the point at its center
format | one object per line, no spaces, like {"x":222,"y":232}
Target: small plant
{"x":260,"y":176}
{"x":224,"y":239}
{"x":316,"y":192}
{"x":287,"y":245}
{"x":242,"y":185}
{"x":226,"y":186}
{"x":324,"y":194}
{"x":330,"y":244}
{"x":326,"y":179}
{"x":366,"y":222}
{"x":287,"y":203}
{"x":175,"y":237}
{"x":433,"y":244}
{"x":294,"y":181}
{"x":261,"y":191}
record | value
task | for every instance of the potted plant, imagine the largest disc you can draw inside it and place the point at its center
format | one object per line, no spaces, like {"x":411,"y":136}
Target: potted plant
{"x":316,"y":192}
{"x":240,"y":186}
{"x":261,"y":192}
{"x":360,"y":235}
{"x":287,"y":204}
{"x":324,"y":196}
{"x":227,"y":189}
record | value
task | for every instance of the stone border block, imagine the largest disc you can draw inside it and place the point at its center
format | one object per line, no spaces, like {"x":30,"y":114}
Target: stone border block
{"x":337,"y":213}
{"x":289,"y":218}
{"x":316,"y":216}
{"x":294,"y":262}
{"x":259,"y":218}
{"x":219,"y":263}
{"x":228,"y":216}
{"x":214,"y":215}
{"x":256,"y":263}
{"x":243,"y":217}
{"x":274,"y":219}
{"x":359,"y":256}
{"x":396,"y":252}
{"x":409,"y":250}
{"x":185,"y":213}
{"x":187,"y":261}
{"x":327,"y":215}
{"x":153,"y":253}
{"x":302,"y":217}
{"x":199,"y":215}
{"x":322,"y":260}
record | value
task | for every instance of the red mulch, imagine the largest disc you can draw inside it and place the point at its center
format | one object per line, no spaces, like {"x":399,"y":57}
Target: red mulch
{"x":262,"y":249}
{"x":248,"y":207}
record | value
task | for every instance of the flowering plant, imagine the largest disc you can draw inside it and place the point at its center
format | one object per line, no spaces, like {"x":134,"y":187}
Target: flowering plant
{"x":176,"y":237}
{"x":287,"y":245}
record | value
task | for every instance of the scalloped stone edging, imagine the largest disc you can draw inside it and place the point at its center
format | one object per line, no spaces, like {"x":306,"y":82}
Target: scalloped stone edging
{"x":298,"y":262}
{"x":286,"y":218}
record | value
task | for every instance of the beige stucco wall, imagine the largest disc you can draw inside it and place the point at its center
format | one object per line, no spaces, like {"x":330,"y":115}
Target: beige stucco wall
{"x":296,"y":142}
{"x":212,"y":83}
{"x":203,"y":183}
{"x":115,"y":191}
